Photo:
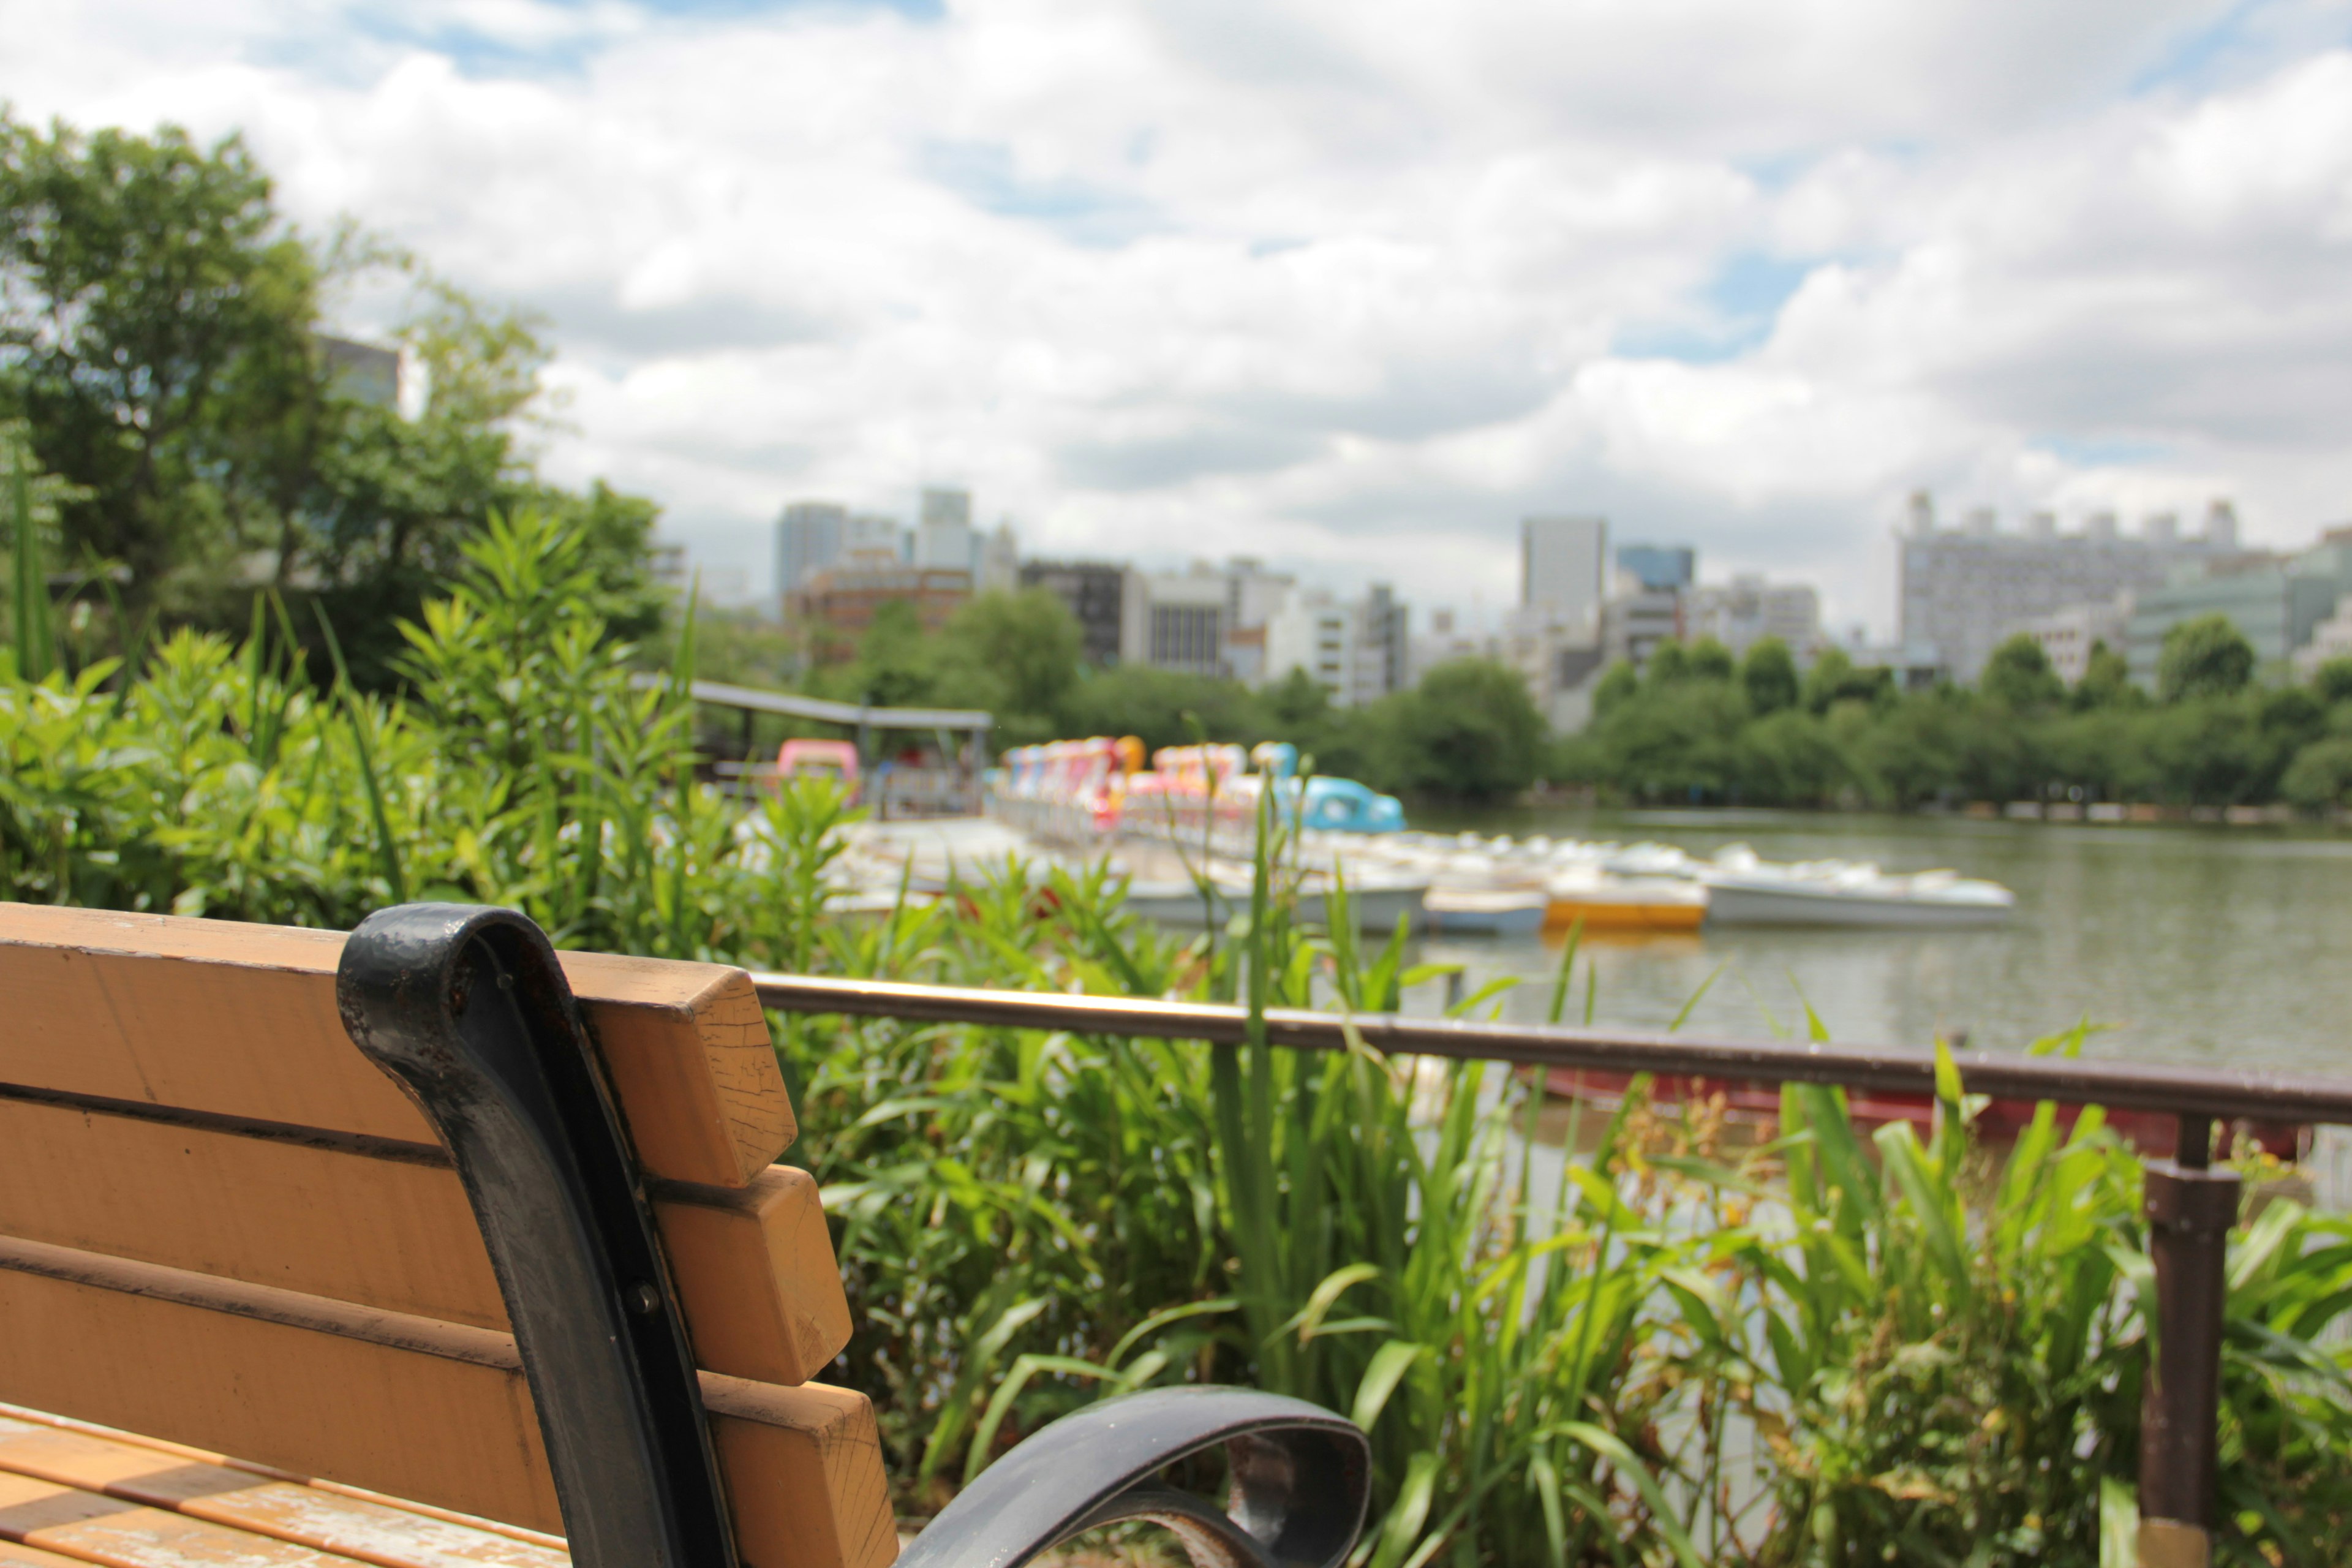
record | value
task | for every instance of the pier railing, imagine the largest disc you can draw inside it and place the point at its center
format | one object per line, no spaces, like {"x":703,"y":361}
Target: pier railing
{"x":2190,"y":1207}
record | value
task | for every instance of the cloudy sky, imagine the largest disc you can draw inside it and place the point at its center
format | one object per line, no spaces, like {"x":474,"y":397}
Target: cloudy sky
{"x":1349,"y":284}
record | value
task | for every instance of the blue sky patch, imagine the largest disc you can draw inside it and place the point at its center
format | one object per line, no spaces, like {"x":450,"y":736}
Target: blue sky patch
{"x":2100,"y":451}
{"x":1739,"y":305}
{"x":983,"y":174}
{"x":2199,"y":56}
{"x":480,"y":53}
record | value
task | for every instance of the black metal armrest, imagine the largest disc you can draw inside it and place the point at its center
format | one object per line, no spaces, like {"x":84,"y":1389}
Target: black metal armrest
{"x":1301,"y":1477}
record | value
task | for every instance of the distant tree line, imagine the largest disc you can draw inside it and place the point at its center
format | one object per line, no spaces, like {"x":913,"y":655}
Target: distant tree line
{"x":1698,"y":727}
{"x":166,"y":386}
{"x":1467,"y":730}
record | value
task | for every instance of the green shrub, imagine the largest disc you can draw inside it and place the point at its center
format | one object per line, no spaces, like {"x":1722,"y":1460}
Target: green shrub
{"x":1826,"y":1351}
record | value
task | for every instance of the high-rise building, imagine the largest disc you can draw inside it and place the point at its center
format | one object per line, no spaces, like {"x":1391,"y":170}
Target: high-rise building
{"x":1316,"y":633}
{"x":1357,"y":651}
{"x":1097,"y":595}
{"x":1963,"y":590}
{"x":1666,"y":566}
{"x":999,"y":566}
{"x":943,"y":536}
{"x":809,"y":538}
{"x":1563,"y":566}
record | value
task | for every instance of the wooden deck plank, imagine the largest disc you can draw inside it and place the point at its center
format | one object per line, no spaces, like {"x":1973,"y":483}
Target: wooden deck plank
{"x":754,"y":1266}
{"x":400,"y":1405}
{"x":239,"y":1020}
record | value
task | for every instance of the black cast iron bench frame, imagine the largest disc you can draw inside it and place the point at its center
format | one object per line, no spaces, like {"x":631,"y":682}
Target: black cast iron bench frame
{"x":466,"y":1008}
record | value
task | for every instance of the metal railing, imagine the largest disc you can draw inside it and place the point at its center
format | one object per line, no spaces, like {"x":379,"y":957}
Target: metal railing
{"x":2189,"y":1206}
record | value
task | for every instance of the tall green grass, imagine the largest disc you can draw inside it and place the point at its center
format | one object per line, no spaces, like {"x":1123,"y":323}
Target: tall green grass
{"x":1661,"y":1345}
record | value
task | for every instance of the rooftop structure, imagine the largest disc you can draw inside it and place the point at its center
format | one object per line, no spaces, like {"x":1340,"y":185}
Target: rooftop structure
{"x":1963,"y":590}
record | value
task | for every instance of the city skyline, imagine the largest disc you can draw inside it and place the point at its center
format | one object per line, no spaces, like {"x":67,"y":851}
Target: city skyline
{"x":1348,"y":291}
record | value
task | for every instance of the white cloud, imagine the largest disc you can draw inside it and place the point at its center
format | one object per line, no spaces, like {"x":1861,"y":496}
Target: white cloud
{"x":1347,"y":285}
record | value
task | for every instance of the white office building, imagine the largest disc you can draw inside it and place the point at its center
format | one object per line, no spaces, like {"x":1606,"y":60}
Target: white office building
{"x":2067,"y":635}
{"x":1358,"y":650}
{"x":943,"y":537}
{"x":1745,"y":611}
{"x":1176,"y":620}
{"x":1964,"y":589}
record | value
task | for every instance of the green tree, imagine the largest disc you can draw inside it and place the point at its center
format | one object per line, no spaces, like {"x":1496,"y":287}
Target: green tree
{"x":1618,"y":685}
{"x":2332,"y":681}
{"x":161,"y":334}
{"x":1835,"y":679}
{"x":1709,"y":661}
{"x":2018,"y":675}
{"x":1768,"y":676}
{"x":1669,"y":663}
{"x":1161,"y":707}
{"x":1468,"y":730}
{"x":1016,"y":654}
{"x":897,"y":666}
{"x":2106,"y":681}
{"x":1680,"y":744}
{"x":154,"y":333}
{"x":2321,"y":774}
{"x":1790,"y":757}
{"x":2206,"y":657}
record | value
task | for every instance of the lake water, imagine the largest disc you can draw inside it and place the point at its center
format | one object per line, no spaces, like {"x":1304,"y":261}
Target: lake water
{"x":2196,"y":945}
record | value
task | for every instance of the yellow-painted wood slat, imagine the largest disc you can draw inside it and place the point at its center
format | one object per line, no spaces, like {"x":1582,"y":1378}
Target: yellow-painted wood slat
{"x":388,"y":1225}
{"x":400,"y":1405}
{"x":239,"y":1021}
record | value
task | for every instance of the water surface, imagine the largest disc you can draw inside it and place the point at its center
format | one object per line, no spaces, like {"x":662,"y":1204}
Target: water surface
{"x":2196,"y":945}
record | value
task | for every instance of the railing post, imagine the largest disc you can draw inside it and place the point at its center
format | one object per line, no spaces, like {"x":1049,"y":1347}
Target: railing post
{"x":2191,"y":1210}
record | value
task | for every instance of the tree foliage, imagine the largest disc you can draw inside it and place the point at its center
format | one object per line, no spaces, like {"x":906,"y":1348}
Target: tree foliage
{"x":163,"y":340}
{"x":2019,"y":734}
{"x":2207,"y":656}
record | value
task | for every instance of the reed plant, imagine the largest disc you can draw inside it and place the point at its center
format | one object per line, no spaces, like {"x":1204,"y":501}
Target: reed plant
{"x":1646,"y":1343}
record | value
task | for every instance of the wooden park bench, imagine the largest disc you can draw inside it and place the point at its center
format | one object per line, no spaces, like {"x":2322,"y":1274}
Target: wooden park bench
{"x":430,"y":1247}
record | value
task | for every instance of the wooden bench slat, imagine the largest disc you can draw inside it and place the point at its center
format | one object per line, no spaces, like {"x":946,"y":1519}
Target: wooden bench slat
{"x":14,"y":1555}
{"x":306,"y":1516}
{"x":108,"y":1529}
{"x":404,"y":1405}
{"x":756,"y":1275}
{"x":754,"y":1266}
{"x":312,"y":1217}
{"x":240,"y":1021}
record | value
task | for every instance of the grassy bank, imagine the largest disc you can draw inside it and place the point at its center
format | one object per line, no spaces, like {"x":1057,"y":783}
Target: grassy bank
{"x":1829,"y":1349}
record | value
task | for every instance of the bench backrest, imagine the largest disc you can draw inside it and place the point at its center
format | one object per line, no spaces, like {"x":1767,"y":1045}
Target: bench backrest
{"x":222,"y":1224}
